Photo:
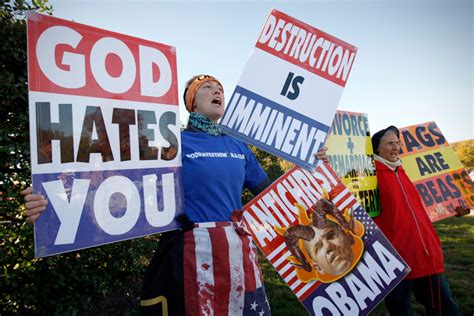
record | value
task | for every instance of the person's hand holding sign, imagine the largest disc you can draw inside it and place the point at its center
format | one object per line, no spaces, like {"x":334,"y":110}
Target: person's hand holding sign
{"x":462,"y":211}
{"x":322,"y":154}
{"x":35,"y":205}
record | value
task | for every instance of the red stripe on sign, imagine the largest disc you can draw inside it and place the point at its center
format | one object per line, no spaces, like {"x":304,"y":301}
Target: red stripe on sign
{"x":293,"y":280}
{"x":288,"y":270}
{"x":325,"y":169}
{"x":303,"y":295}
{"x":329,"y":170}
{"x":190,"y":277}
{"x":220,"y":253}
{"x":298,"y":288}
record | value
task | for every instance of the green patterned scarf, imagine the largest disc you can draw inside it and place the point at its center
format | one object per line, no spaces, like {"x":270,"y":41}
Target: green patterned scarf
{"x":204,"y":124}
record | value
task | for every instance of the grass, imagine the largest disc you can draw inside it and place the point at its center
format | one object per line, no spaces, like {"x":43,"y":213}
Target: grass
{"x":457,"y":238}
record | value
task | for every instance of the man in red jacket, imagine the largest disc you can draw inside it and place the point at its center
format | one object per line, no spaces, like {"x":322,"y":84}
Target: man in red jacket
{"x":405,"y":223}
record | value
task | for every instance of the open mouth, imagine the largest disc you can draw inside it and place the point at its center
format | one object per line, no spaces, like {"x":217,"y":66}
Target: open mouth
{"x":217,"y":101}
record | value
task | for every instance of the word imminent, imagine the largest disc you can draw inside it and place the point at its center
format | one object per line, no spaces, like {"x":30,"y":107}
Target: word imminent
{"x":269,"y":126}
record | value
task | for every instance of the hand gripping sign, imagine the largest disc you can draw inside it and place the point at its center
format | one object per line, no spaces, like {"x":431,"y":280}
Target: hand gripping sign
{"x":323,"y":243}
{"x":105,"y":137}
{"x":351,"y":156}
{"x":287,"y":96}
{"x":440,"y":178}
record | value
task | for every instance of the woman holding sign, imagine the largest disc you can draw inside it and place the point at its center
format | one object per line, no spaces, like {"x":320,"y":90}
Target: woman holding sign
{"x":211,"y":265}
{"x":406,"y":224}
{"x":220,"y":272}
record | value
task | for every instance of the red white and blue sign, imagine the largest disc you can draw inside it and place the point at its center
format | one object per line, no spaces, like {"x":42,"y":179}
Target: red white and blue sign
{"x":323,"y":243}
{"x":104,"y":133}
{"x":287,"y":96}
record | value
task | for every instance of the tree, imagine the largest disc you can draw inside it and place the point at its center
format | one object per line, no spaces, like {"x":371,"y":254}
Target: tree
{"x":14,"y":136}
{"x":465,"y":152}
{"x":14,"y":149}
{"x":273,"y":166}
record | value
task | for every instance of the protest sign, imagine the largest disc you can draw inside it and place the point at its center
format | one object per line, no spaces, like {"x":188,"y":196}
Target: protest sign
{"x":323,"y":243}
{"x":104,"y":133}
{"x":439,"y":176}
{"x":288,"y":93}
{"x":351,"y":156}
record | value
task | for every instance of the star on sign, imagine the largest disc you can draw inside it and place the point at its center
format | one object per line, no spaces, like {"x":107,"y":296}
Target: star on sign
{"x":254,"y":306}
{"x":261,"y":313}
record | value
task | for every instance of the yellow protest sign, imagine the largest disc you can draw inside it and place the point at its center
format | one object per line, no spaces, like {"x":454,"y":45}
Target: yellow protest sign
{"x":351,"y":156}
{"x":440,"y":178}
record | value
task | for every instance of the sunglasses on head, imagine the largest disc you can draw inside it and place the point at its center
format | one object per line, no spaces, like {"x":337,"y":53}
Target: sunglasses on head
{"x":202,"y":77}
{"x":199,"y":78}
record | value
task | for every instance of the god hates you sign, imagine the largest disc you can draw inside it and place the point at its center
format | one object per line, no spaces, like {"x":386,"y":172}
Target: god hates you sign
{"x":439,"y":176}
{"x":323,"y":243}
{"x":105,"y":135}
{"x":288,"y":93}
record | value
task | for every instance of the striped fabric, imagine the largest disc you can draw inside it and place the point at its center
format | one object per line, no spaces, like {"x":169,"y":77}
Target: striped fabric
{"x":221,"y":272}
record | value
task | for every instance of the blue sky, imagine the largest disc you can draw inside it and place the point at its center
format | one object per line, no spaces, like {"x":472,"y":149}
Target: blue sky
{"x":414,"y":62}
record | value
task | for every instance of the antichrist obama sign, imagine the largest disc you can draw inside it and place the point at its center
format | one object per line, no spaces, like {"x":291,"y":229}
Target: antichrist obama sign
{"x":323,"y":244}
{"x":105,"y":139}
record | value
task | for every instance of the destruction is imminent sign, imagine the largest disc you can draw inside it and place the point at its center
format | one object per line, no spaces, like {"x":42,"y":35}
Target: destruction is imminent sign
{"x":288,"y":93}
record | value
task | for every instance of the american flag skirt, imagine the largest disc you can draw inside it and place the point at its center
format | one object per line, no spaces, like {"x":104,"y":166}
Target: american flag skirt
{"x":209,"y":270}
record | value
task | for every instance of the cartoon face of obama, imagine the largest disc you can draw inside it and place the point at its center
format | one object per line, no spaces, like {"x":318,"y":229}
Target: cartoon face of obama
{"x":328,"y":245}
{"x":330,"y":249}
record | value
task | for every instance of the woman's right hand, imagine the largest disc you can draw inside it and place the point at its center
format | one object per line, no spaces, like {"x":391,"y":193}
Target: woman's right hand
{"x":322,"y":154}
{"x":35,"y":205}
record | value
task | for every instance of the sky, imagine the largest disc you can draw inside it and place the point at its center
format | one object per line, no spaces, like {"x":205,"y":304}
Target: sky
{"x":414,"y":62}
